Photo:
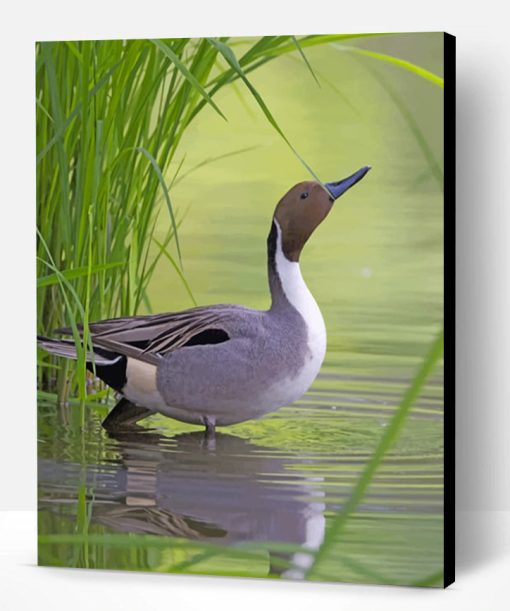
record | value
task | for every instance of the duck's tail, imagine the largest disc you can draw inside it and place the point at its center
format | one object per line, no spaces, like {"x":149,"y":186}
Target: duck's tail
{"x":67,"y":349}
{"x":107,"y":365}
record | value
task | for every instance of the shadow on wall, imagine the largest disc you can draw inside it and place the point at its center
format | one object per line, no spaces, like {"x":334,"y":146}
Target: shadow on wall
{"x":481,"y":450}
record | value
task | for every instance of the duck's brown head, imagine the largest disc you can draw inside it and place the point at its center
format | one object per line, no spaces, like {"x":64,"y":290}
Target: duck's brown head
{"x":305,"y":206}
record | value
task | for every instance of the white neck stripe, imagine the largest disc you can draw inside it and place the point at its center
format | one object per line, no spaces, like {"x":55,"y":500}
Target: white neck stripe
{"x":299,"y":296}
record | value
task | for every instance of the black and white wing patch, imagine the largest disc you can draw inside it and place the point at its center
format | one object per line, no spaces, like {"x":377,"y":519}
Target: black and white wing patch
{"x":148,"y":338}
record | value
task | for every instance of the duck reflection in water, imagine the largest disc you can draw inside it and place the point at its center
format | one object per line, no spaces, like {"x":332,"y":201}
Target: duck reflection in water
{"x":222,"y":490}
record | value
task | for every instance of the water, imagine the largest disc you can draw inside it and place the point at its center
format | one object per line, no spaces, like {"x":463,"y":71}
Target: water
{"x":257,"y":498}
{"x":271,"y":482}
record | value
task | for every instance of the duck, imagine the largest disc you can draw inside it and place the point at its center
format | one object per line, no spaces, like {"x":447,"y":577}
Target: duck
{"x":218,"y":365}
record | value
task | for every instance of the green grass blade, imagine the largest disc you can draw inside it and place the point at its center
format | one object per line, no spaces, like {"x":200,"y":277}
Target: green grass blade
{"x":86,"y":336}
{"x":386,"y":442}
{"x":80,"y":347}
{"x":176,"y":267}
{"x":176,"y":180}
{"x":177,"y":172}
{"x":73,"y":274}
{"x":168,"y":201}
{"x":282,"y":46}
{"x":59,"y":132}
{"x":43,"y":109}
{"x":332,"y":86}
{"x":305,"y":59}
{"x":396,"y":61}
{"x":63,"y":162}
{"x":165,"y":49}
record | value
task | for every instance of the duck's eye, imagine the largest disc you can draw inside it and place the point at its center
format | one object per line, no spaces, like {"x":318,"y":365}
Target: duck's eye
{"x":304,"y":195}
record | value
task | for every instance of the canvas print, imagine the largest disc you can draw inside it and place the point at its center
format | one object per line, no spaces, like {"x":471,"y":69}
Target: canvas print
{"x":244,"y":270}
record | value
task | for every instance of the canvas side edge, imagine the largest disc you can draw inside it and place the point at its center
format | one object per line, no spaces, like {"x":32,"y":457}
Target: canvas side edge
{"x":449,"y":307}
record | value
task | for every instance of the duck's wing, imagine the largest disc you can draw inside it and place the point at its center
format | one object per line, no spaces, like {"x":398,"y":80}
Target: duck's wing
{"x":149,"y":338}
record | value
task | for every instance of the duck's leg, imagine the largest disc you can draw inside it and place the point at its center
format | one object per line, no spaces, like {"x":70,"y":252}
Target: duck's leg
{"x":210,"y":427}
{"x":124,"y":415}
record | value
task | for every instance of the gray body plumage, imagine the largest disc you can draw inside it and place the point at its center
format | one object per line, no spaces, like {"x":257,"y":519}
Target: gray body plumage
{"x":219,"y":381}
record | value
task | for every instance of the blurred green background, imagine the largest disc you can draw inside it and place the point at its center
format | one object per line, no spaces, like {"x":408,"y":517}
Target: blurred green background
{"x":375,"y":266}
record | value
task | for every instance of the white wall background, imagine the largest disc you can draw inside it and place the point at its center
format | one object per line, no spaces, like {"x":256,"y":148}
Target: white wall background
{"x":483,"y":253}
{"x":483,"y":256}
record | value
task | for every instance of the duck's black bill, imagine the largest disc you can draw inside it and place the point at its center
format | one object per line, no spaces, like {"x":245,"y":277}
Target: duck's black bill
{"x":338,"y":188}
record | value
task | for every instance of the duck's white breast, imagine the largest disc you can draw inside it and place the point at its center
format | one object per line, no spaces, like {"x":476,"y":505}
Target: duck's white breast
{"x":300,"y":297}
